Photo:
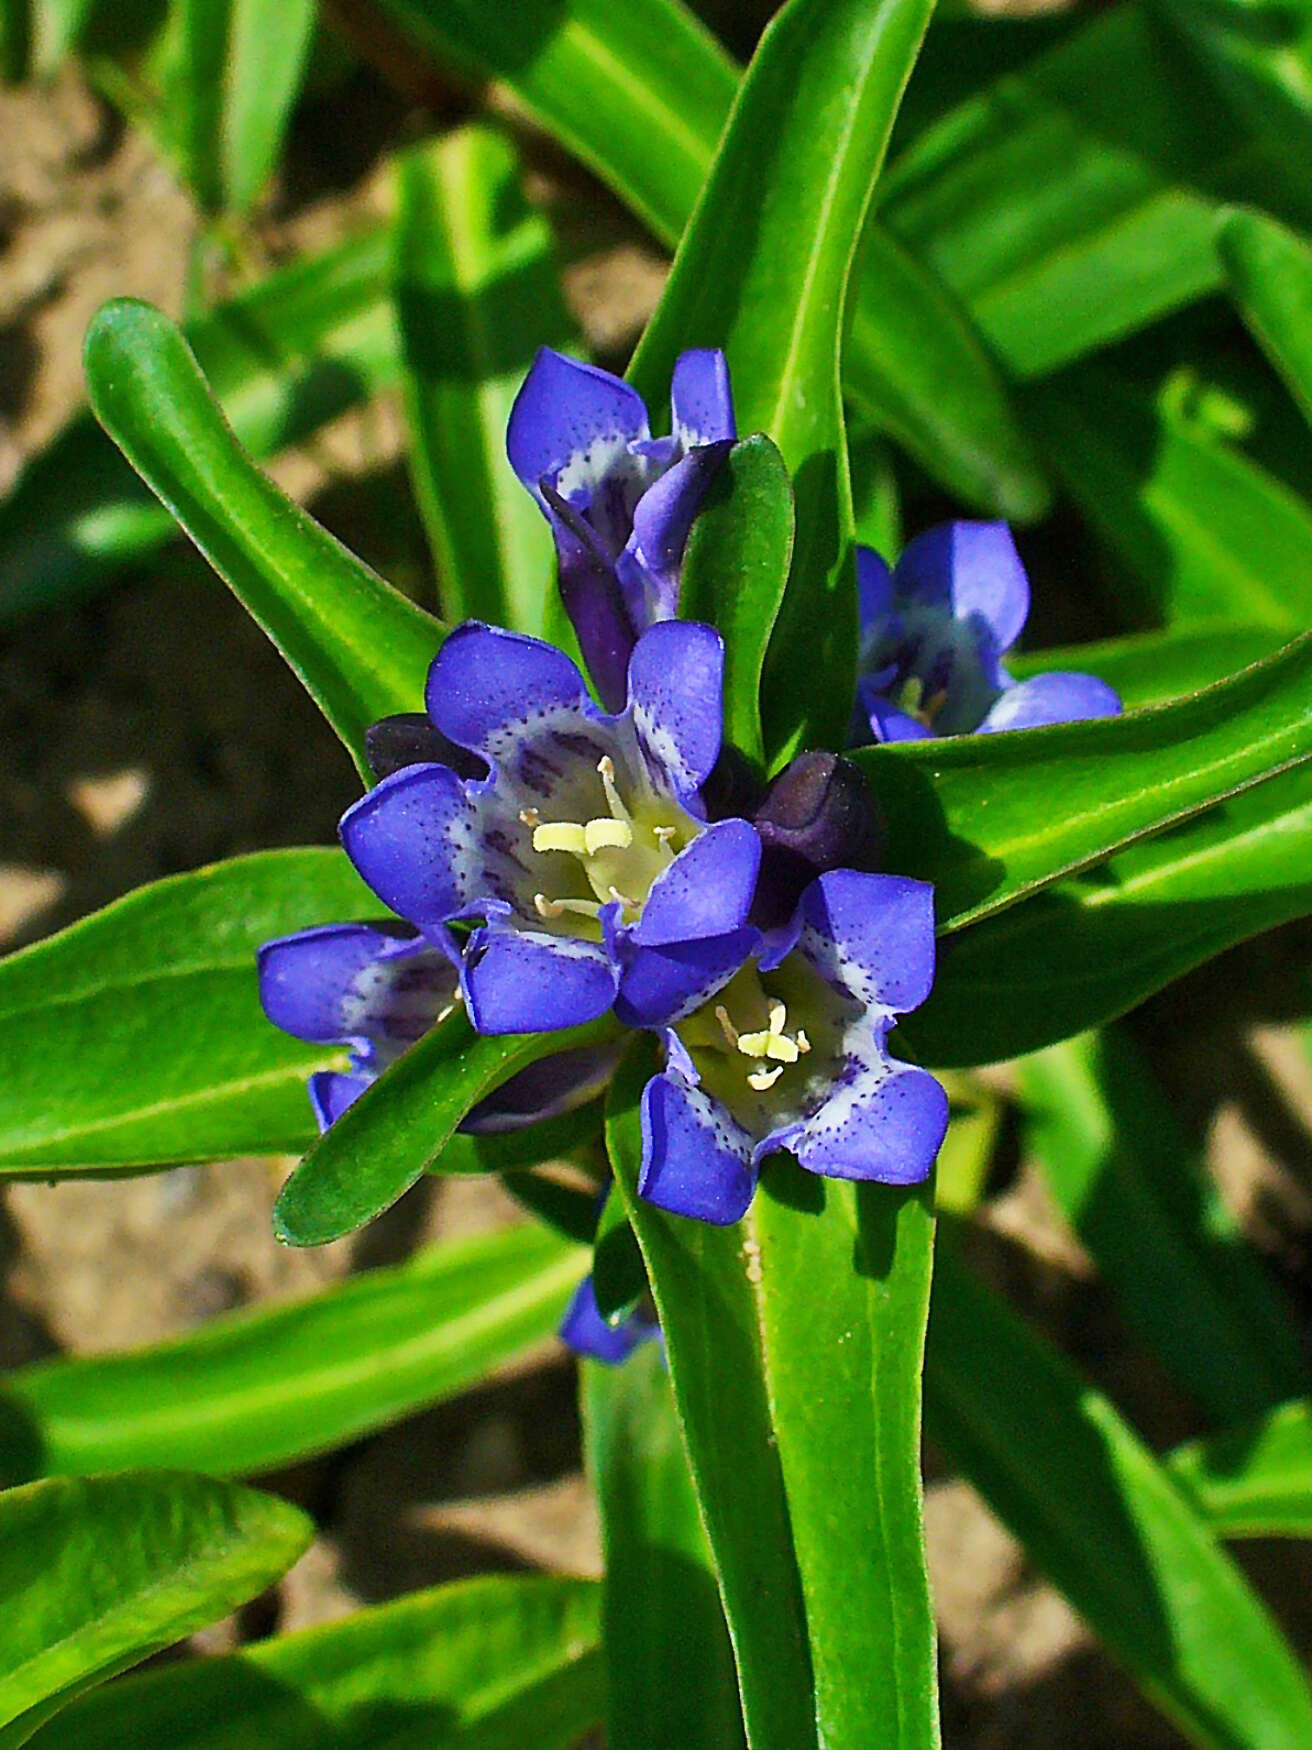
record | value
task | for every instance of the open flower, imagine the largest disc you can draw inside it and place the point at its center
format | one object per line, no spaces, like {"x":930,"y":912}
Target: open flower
{"x":791,"y":1053}
{"x":933,"y":634}
{"x":376,"y":989}
{"x":620,"y":502}
{"x":585,"y":852}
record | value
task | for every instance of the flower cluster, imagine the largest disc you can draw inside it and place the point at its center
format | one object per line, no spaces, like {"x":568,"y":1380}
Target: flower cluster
{"x":554,"y":860}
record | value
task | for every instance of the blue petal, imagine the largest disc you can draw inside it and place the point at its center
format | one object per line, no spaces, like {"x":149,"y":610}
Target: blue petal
{"x":571,"y":420}
{"x":525,"y":981}
{"x":487,"y":686}
{"x":701,"y":400}
{"x":413,"y":839}
{"x":696,"y":1159}
{"x":591,"y":594}
{"x":661,"y":985}
{"x":676,"y":688}
{"x":1052,"y":698}
{"x":649,"y":567}
{"x":885,"y":1126}
{"x":331,"y":1093}
{"x":974,"y":570}
{"x":874,"y":590}
{"x":887,"y":723}
{"x":545,"y":1089}
{"x":344,"y":982}
{"x":706,"y":891}
{"x":587,"y":1333}
{"x":873,"y":934}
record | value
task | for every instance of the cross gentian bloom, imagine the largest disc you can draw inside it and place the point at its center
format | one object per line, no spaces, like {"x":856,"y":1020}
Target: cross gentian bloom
{"x":376,"y":989}
{"x":585,"y":852}
{"x":620,"y":502}
{"x":791,"y":1053}
{"x":933,"y":634}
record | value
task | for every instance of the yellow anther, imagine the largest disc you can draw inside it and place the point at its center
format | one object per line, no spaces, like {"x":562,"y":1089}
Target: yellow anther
{"x":561,"y":836}
{"x":778,"y":1016}
{"x":663,"y":835}
{"x":529,"y":816}
{"x":555,"y":908}
{"x":781,"y":1048}
{"x":761,"y":1080}
{"x":754,"y":1044}
{"x":606,"y":771}
{"x":803,"y":1043}
{"x":604,"y":834}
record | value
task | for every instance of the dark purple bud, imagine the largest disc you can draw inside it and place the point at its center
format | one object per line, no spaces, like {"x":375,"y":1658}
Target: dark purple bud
{"x":591,"y":594}
{"x":819,"y":814}
{"x":410,"y":739}
{"x":734,"y":789}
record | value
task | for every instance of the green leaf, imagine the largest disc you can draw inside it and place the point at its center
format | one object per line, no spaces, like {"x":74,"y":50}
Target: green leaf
{"x":641,"y":94}
{"x":700,"y":1277}
{"x":1150,"y":667}
{"x":256,"y":1390}
{"x":762,"y":272}
{"x":1269,"y":271}
{"x":136,"y":1037}
{"x":619,"y":1278}
{"x":1200,"y":531}
{"x":1255,"y":1479}
{"x":734,"y":573}
{"x":976,"y":814}
{"x":840,"y":1274}
{"x":670,"y":1670}
{"x":399,"y":1127}
{"x":1142,"y":1202}
{"x":1087,"y":950}
{"x":476,"y":293}
{"x":493,"y":1663}
{"x":361,"y":649}
{"x":283,"y":358}
{"x":185,"y":1550}
{"x":15,"y":40}
{"x":1049,"y":266}
{"x":1101,"y":1517}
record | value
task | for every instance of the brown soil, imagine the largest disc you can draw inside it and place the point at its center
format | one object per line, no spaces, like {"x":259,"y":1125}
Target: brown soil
{"x":154,"y":730}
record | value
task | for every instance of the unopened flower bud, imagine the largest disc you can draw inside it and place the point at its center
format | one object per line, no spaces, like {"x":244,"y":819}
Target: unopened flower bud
{"x":819,"y":814}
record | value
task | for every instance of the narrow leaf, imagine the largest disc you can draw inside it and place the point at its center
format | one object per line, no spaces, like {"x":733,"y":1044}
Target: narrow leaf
{"x":700,"y":1277}
{"x":256,"y":1390}
{"x":136,"y":1037}
{"x":486,"y":1664}
{"x":268,"y":42}
{"x":734,"y":573}
{"x":1125,"y":1177}
{"x":670,"y":1671}
{"x":619,"y":1277}
{"x":399,"y":1127}
{"x":762,"y":271}
{"x":476,"y":293}
{"x":1150,"y":667}
{"x":1098,"y":1514}
{"x":185,"y":1551}
{"x":1255,"y":1479}
{"x":361,"y":649}
{"x":1270,"y":274}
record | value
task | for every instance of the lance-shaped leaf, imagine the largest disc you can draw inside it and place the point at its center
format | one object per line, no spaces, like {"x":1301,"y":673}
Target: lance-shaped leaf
{"x":1123,"y":1174}
{"x":1253,"y":1479}
{"x":484,"y":1664}
{"x":1269,"y":271}
{"x":400,"y":1126}
{"x":228,"y":74}
{"x":1100,"y":1516}
{"x":255,"y":1390}
{"x":735,"y":570}
{"x":477,"y":294}
{"x":361,"y":649}
{"x":670,"y":1670}
{"x":1200,"y":531}
{"x":136,"y":1037}
{"x":283,"y":358}
{"x":1150,"y":667}
{"x":1087,"y":950}
{"x":762,"y":272}
{"x":991,"y":818}
{"x":700,"y":1277}
{"x":641,"y":93}
{"x":185,"y":1550}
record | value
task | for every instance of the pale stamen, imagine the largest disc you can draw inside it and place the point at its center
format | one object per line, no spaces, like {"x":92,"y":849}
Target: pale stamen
{"x":773,"y":1041}
{"x":606,"y":771}
{"x":555,"y":908}
{"x":761,"y":1080}
{"x":726,"y":1026}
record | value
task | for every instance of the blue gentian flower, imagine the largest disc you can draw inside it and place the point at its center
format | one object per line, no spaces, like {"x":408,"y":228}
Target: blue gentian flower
{"x":376,"y":989}
{"x":934,"y":631}
{"x":587,"y":1332}
{"x":620,"y":502}
{"x":791,"y":1053}
{"x":585,"y":852}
